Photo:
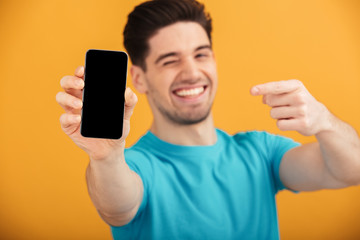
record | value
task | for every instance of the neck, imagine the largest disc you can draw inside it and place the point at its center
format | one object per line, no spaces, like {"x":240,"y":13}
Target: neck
{"x":202,"y":133}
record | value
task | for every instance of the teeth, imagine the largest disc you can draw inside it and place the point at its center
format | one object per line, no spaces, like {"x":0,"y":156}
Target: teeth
{"x":189,"y":92}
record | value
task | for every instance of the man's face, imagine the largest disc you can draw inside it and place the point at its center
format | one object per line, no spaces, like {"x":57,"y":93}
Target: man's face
{"x":181,"y":75}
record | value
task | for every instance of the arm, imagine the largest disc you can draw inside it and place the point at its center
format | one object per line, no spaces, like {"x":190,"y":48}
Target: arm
{"x":115,"y":190}
{"x":331,"y":162}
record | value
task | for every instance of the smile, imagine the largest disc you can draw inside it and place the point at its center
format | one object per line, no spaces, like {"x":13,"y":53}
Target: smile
{"x":190,"y":92}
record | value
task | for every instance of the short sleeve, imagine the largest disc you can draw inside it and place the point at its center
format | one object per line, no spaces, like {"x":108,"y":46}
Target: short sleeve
{"x":276,"y":147}
{"x":140,"y":164}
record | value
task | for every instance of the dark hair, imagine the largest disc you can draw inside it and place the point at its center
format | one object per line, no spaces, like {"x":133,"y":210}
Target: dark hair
{"x":147,"y":18}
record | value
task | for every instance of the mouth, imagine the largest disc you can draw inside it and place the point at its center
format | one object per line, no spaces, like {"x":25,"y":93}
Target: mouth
{"x":190,"y":92}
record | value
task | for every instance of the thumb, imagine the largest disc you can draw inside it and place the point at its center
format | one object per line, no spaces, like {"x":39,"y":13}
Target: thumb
{"x":130,"y":102}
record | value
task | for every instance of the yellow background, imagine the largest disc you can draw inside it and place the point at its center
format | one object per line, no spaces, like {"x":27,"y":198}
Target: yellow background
{"x":43,"y":193}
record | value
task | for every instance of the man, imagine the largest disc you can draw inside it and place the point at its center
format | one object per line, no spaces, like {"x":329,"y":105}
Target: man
{"x":185,"y":179}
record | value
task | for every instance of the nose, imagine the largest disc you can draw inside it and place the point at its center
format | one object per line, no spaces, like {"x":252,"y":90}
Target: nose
{"x":190,"y":70}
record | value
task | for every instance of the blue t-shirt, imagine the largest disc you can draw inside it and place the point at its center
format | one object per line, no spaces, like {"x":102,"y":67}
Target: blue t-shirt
{"x":223,"y":191}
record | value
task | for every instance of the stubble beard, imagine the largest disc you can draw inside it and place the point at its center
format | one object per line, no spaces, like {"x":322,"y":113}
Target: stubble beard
{"x":188,"y":118}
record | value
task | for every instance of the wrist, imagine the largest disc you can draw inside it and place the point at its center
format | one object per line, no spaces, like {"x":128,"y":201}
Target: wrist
{"x":112,"y":155}
{"x":327,"y":123}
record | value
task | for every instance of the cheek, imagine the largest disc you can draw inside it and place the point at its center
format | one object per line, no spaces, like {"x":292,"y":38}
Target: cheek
{"x":160,"y":84}
{"x":212,"y":74}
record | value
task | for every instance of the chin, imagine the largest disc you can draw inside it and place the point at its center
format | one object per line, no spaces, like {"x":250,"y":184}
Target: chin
{"x":189,"y":119}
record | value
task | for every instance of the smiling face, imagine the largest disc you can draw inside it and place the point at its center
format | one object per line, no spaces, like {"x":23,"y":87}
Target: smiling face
{"x":181,"y":79}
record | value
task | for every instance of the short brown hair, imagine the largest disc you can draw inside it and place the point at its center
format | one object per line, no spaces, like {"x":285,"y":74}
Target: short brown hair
{"x":147,"y":18}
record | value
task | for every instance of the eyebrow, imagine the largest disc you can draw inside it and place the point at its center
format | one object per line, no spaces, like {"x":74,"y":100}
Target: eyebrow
{"x":165,"y":55}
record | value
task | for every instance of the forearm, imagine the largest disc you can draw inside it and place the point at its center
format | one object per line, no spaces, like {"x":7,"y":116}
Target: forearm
{"x":340,"y":148}
{"x":115,"y":190}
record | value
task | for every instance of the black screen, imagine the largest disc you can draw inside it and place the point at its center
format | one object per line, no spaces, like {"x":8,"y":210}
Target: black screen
{"x":103,"y":96}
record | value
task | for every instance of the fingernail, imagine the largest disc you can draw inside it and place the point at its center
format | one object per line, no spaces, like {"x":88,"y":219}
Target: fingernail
{"x":77,"y":118}
{"x":77,"y":103}
{"x":255,"y":90}
{"x":78,"y":82}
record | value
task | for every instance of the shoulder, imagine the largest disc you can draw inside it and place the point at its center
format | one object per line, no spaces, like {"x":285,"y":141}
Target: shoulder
{"x":140,"y":149}
{"x":253,"y":138}
{"x":249,"y":142}
{"x":250,"y":136}
{"x":261,"y":142}
{"x":261,"y":138}
{"x":241,"y":137}
{"x":139,"y":160}
{"x":138,"y":156}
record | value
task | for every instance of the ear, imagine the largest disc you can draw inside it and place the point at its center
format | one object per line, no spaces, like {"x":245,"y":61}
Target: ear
{"x":138,"y":79}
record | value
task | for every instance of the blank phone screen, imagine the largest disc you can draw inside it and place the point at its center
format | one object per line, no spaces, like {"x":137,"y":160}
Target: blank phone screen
{"x":103,"y":94}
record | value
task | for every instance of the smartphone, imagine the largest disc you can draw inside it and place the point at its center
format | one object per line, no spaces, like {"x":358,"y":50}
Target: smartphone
{"x":104,"y":94}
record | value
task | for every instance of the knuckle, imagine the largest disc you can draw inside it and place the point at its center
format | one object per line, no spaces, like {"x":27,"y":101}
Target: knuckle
{"x":264,"y":99}
{"x":303,"y":95}
{"x":300,"y":97}
{"x":59,"y":97}
{"x":270,"y":100}
{"x":77,"y":82}
{"x":69,"y":118}
{"x":302,"y":111}
{"x":277,"y":86}
{"x":79,"y":69}
{"x":280,"y":124}
{"x":63,"y":81}
{"x":135,"y":98}
{"x":304,"y":123}
{"x":63,"y":118}
{"x":273,"y":113}
{"x":307,"y":123}
{"x":66,"y":99}
{"x":297,"y":82}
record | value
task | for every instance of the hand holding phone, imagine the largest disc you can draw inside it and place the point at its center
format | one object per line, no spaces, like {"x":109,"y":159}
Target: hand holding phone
{"x":71,"y":101}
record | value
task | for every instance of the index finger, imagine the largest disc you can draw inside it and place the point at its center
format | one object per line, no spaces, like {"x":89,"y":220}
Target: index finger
{"x":71,"y":82}
{"x":278,"y":87}
{"x":79,"y":72}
